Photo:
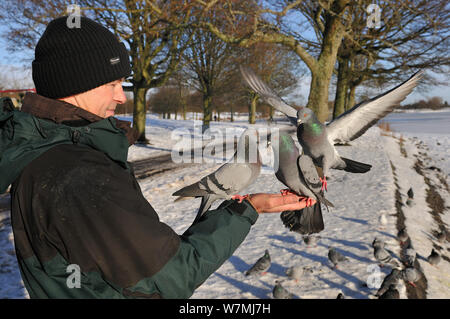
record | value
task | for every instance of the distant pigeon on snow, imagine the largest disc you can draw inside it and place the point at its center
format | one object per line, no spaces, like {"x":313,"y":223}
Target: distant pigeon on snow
{"x":336,"y":257}
{"x":391,"y":293}
{"x":383,"y":220}
{"x":411,"y":275}
{"x":261,"y":265}
{"x":409,"y":256}
{"x":340,"y":296}
{"x":295,"y":272}
{"x":391,"y":279}
{"x":384,"y":257}
{"x":378,"y":243}
{"x":442,"y":236}
{"x":310,"y":240}
{"x":402,"y":235}
{"x":434,"y":258}
{"x":317,"y":139}
{"x":229,"y":179}
{"x":410,"y":193}
{"x":279,"y":292}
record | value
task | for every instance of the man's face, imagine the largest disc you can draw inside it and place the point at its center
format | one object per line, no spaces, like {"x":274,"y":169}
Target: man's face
{"x":102,"y":100}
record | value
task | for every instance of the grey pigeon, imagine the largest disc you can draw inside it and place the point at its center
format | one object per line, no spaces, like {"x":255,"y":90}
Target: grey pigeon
{"x":402,"y":235}
{"x":230,"y":178}
{"x":295,"y":272}
{"x":391,"y":293}
{"x":384,"y":257}
{"x":378,"y":243}
{"x":340,"y":296}
{"x":261,"y":265}
{"x":317,"y":139}
{"x":391,"y":279}
{"x":279,"y":292}
{"x":310,"y":240}
{"x":409,"y":256}
{"x":442,"y":236}
{"x":411,"y":275}
{"x":410,"y":193}
{"x":434,"y":258}
{"x":300,"y":175}
{"x":336,"y":257}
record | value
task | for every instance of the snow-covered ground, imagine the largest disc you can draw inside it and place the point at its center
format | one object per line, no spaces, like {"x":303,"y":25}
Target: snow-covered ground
{"x":350,"y":227}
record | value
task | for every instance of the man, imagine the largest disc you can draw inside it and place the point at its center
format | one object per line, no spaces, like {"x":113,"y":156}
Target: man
{"x":75,"y":202}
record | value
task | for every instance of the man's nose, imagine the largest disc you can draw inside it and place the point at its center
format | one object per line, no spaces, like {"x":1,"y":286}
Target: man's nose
{"x":119,"y":95}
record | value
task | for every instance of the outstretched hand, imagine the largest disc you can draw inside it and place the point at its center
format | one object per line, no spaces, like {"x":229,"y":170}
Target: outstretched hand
{"x":275,"y":203}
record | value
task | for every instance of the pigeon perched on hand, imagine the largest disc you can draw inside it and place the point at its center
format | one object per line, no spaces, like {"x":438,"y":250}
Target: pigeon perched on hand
{"x":336,"y":257}
{"x":261,"y":265}
{"x":391,"y":293}
{"x":391,"y":279}
{"x":300,"y":175}
{"x":279,"y":292}
{"x":317,"y":139}
{"x":229,"y":179}
{"x":434,"y":258}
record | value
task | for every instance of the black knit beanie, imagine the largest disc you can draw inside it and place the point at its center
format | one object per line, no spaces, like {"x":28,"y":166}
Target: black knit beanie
{"x":69,"y":61}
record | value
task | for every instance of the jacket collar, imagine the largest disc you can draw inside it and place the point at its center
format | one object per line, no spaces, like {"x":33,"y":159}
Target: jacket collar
{"x":60,"y":112}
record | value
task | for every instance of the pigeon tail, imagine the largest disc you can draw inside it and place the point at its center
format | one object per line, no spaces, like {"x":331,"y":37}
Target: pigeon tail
{"x":309,"y":220}
{"x":204,"y":206}
{"x":355,"y":167}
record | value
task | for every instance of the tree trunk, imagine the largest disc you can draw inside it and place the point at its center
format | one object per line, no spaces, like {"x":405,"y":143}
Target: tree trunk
{"x":231,"y":117}
{"x":252,"y":109}
{"x":207,"y":112}
{"x":139,"y":113}
{"x":341,"y":89}
{"x":350,"y":98}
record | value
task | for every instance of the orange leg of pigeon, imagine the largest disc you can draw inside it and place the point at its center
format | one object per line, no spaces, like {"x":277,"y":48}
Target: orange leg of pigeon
{"x":240,"y":198}
{"x":287,"y":191}
{"x":413,"y":284}
{"x":324,"y":183}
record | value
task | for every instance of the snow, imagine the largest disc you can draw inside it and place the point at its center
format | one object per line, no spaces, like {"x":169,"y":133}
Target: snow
{"x":350,"y":226}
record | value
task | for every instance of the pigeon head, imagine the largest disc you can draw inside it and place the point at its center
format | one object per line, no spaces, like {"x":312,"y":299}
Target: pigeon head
{"x":304,"y":115}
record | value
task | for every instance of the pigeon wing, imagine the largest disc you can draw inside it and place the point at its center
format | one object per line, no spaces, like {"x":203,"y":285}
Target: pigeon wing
{"x":268,"y":95}
{"x":356,"y":121}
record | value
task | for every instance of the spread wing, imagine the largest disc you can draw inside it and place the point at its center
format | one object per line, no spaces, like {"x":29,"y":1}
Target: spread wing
{"x":356,"y":121}
{"x":268,"y":95}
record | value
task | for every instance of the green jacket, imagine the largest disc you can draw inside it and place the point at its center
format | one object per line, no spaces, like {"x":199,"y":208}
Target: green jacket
{"x":76,"y":205}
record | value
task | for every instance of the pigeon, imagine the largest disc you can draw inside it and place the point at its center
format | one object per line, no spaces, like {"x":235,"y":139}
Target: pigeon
{"x":279,"y":292}
{"x":384,"y":257}
{"x":261,"y":265}
{"x":378,"y":243}
{"x":230,"y":178}
{"x":402,"y":235}
{"x":410,"y":193}
{"x":295,"y":272}
{"x":410,"y":257}
{"x":317,"y":139}
{"x":300,"y":175}
{"x":434,"y":258}
{"x":442,"y":236}
{"x":411,"y":275}
{"x":391,"y":293}
{"x":383,"y":220}
{"x":391,"y":279}
{"x":336,"y":257}
{"x":310,"y":240}
{"x":340,"y":296}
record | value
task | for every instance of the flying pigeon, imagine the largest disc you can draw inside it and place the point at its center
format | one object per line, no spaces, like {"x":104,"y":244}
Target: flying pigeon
{"x":391,"y":279}
{"x":318,"y":139}
{"x":279,"y":292}
{"x":384,"y":257}
{"x":434,"y":258}
{"x":391,"y":293}
{"x":261,"y":265}
{"x":300,"y":175}
{"x":411,"y":275}
{"x":336,"y":257}
{"x":230,"y":178}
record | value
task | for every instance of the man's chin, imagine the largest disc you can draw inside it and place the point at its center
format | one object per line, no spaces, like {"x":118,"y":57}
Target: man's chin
{"x":109,"y":113}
